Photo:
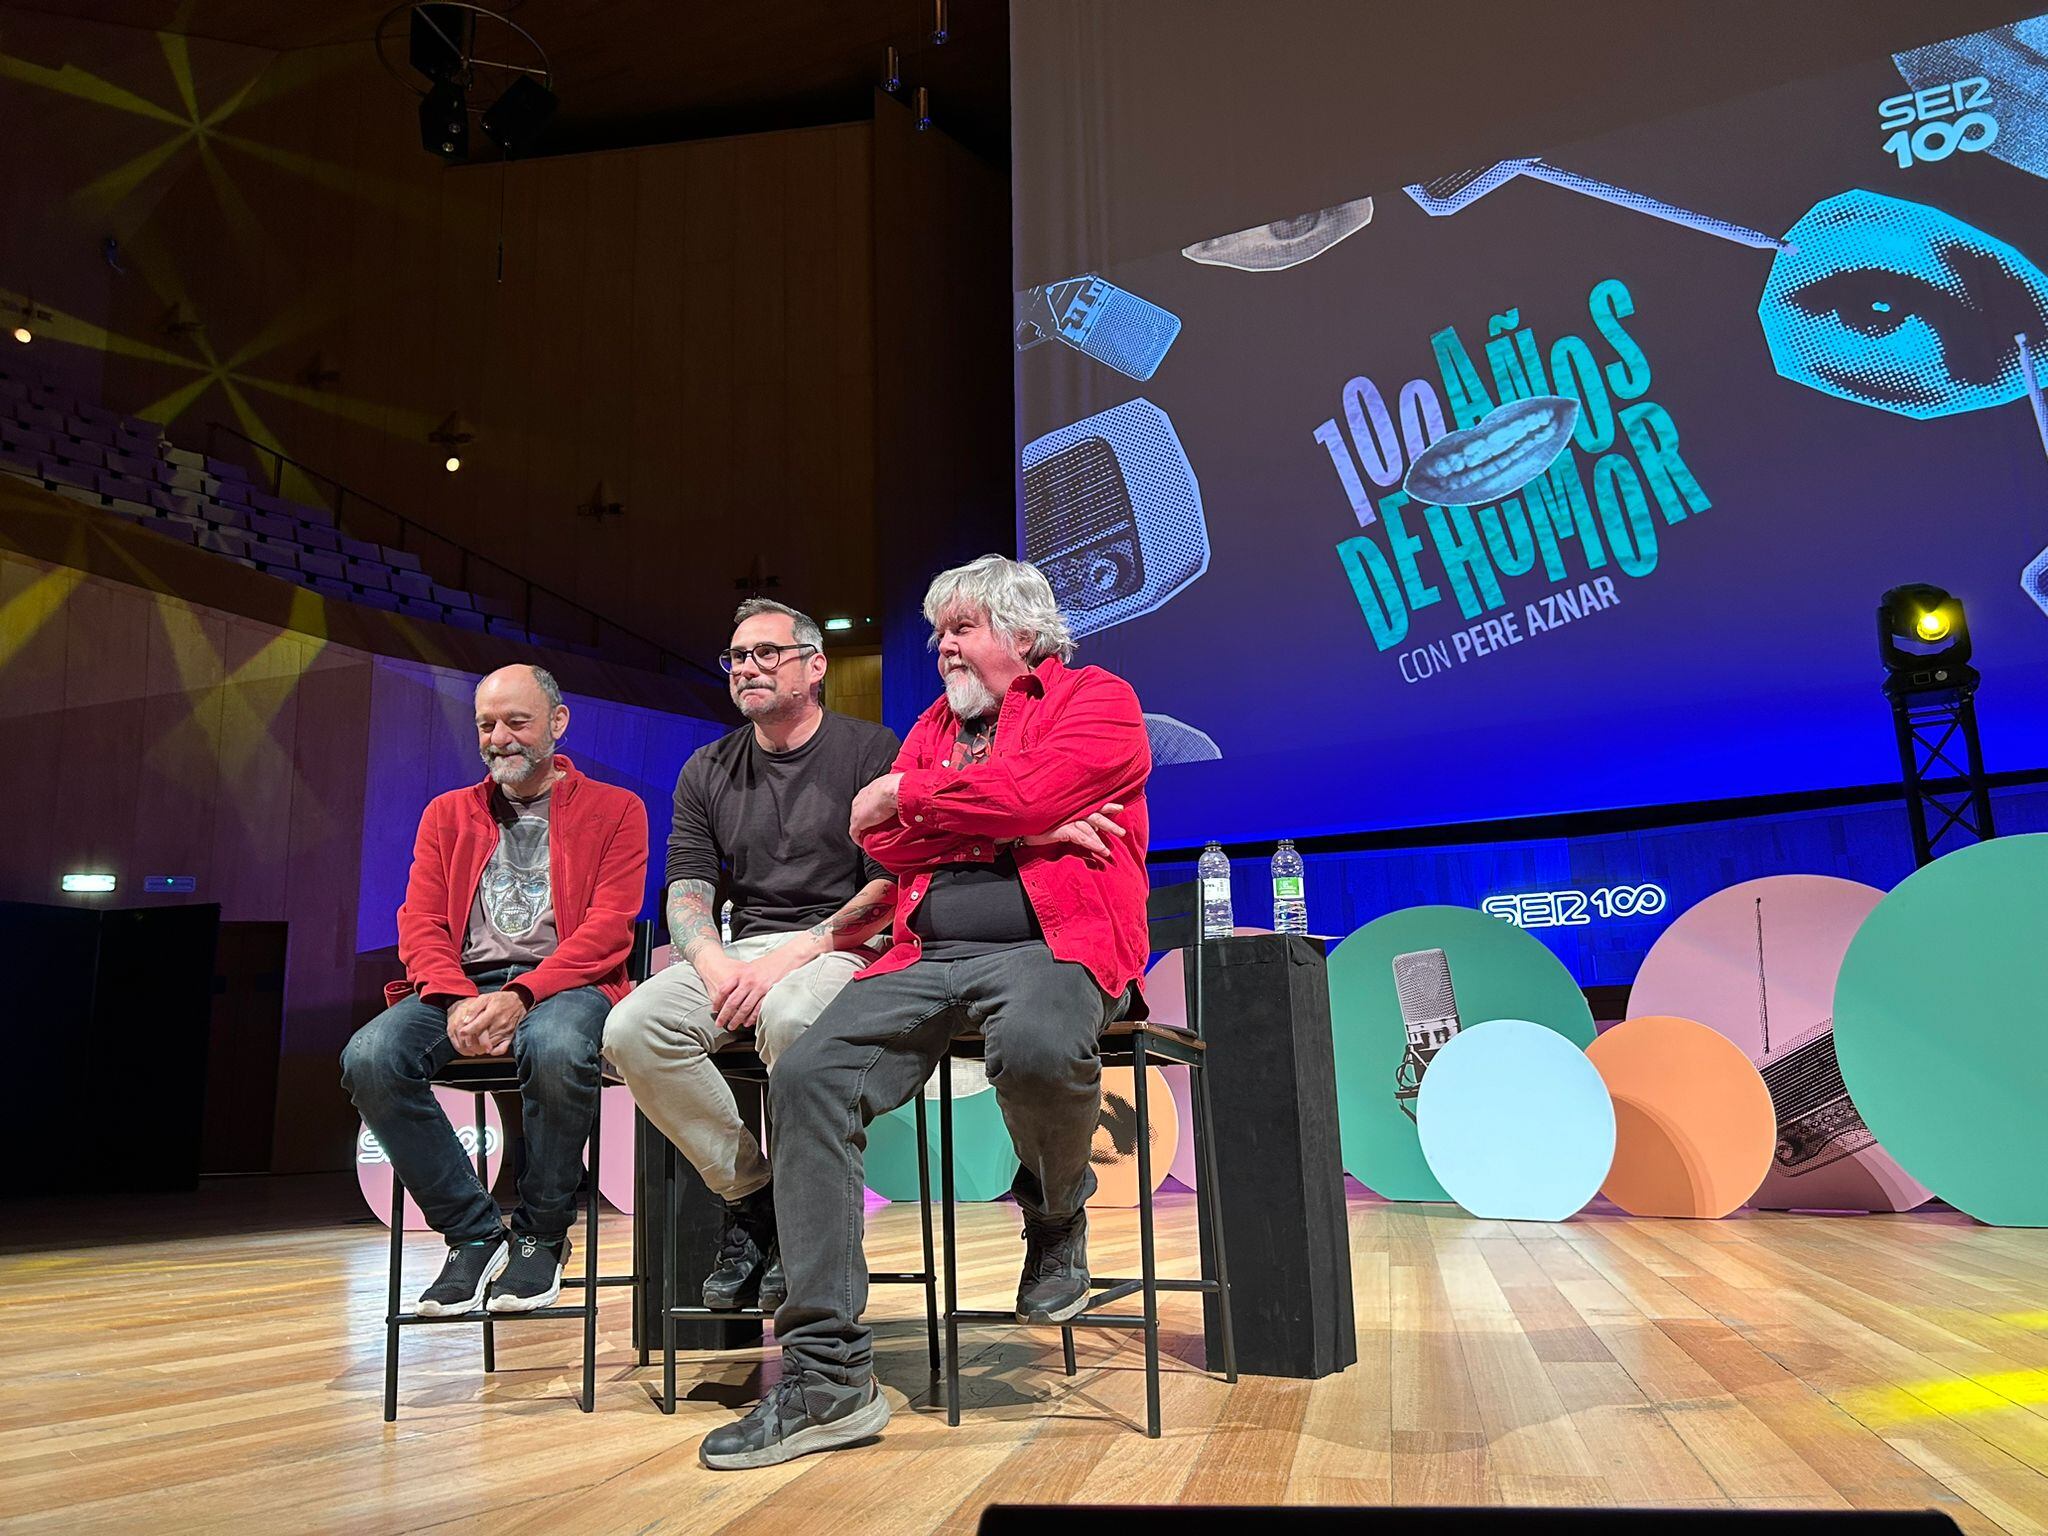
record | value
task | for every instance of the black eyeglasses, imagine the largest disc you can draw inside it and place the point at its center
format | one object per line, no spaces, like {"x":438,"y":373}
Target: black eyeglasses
{"x":765,"y":656}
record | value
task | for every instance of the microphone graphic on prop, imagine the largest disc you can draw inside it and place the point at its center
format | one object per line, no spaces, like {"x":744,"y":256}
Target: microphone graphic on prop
{"x":1113,"y":515}
{"x":1099,"y":320}
{"x":1451,"y":194}
{"x":1818,"y":1123}
{"x":2034,"y":578}
{"x":1429,"y":1012}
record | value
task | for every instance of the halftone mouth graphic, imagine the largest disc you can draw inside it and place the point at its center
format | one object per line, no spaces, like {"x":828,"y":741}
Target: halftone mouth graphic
{"x":1495,"y":456}
{"x":1901,"y":306}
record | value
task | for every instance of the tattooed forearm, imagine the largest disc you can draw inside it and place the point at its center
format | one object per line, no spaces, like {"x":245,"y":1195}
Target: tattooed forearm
{"x":691,"y":924}
{"x":860,"y":919}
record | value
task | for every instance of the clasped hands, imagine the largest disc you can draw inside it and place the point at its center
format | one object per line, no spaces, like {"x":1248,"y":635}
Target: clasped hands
{"x":484,"y":1025}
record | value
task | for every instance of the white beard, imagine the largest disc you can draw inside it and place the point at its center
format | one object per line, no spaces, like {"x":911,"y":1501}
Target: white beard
{"x":967,"y":696}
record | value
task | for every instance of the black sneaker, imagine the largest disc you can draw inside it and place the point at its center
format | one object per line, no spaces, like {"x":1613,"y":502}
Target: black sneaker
{"x":465,"y":1276}
{"x":747,"y":1254}
{"x":1055,"y":1282}
{"x":799,"y":1415}
{"x":774,"y":1283}
{"x":533,"y":1278}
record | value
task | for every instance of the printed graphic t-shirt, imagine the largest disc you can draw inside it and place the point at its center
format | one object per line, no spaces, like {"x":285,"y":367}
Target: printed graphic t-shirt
{"x":512,"y":920}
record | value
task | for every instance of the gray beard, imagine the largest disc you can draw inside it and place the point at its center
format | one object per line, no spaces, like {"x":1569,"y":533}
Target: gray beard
{"x":967,"y":696}
{"x":517,"y":769}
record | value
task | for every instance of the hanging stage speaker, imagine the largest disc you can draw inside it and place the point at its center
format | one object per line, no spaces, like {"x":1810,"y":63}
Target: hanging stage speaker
{"x":516,"y":118}
{"x":439,"y":40}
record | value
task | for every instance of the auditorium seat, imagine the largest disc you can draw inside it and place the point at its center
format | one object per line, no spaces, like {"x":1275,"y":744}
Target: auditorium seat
{"x":123,"y":465}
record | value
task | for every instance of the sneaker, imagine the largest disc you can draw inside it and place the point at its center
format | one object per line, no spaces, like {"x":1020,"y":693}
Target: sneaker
{"x":800,"y":1414}
{"x":774,"y":1283}
{"x":533,"y":1276}
{"x":747,"y":1252}
{"x":1055,"y":1281}
{"x":465,"y":1276}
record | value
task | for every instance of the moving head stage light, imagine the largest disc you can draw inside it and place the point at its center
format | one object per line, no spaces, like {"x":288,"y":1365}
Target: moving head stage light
{"x":454,"y":48}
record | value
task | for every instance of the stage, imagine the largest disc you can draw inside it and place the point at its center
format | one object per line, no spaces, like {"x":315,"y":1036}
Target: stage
{"x":214,"y":1361}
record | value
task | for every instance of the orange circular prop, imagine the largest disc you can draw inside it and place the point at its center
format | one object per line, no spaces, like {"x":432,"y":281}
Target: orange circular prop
{"x":1115,"y":1151}
{"x":1693,"y":1124}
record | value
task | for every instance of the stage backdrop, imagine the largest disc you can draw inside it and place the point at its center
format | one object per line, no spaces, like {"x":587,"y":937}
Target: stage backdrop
{"x":1529,"y":486}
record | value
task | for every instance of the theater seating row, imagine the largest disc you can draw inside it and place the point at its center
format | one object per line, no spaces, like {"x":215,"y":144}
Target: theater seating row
{"x":126,"y":466}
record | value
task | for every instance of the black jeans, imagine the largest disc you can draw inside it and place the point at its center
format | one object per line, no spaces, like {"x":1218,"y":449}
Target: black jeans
{"x":869,"y":1051}
{"x":386,"y":1067}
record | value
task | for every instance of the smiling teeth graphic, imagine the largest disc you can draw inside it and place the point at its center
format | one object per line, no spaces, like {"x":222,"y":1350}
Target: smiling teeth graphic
{"x":1495,"y":456}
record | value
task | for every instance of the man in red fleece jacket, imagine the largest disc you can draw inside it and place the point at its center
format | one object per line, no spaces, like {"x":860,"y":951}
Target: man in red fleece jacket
{"x":517,"y":922}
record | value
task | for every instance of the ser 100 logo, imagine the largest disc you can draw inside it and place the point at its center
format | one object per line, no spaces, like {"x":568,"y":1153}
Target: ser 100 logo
{"x":1575,"y":909}
{"x":1950,"y":117}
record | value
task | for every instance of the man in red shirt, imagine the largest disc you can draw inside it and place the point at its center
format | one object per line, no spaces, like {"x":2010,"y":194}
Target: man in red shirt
{"x":517,"y":922}
{"x":1015,"y":823}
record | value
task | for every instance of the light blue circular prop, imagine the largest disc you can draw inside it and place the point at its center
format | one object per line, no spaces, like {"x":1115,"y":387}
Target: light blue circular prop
{"x":1515,"y":1122}
{"x":1941,"y":1027}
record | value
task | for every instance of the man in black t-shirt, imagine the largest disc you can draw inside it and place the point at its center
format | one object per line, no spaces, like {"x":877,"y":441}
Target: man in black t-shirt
{"x":761,"y":820}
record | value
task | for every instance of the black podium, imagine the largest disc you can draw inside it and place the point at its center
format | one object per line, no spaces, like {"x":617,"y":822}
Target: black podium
{"x":1273,"y":1091}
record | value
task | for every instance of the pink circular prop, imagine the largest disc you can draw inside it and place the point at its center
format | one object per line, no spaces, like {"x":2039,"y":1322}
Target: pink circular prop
{"x":1166,"y":998}
{"x":615,"y":1172}
{"x":1757,"y":963}
{"x":373,"y":1169}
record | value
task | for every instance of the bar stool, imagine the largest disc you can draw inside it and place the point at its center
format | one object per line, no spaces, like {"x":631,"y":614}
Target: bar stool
{"x":481,"y":1076}
{"x":1174,"y":919}
{"x":740,"y":1063}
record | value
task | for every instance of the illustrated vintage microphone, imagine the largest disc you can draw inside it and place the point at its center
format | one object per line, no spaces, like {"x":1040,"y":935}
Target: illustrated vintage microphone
{"x":1113,"y":515}
{"x":1429,"y":1013}
{"x":1099,"y":320}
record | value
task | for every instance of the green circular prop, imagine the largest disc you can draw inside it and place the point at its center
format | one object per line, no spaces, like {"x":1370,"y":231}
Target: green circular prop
{"x":1497,"y":972}
{"x":984,"y":1162}
{"x":1941,"y":1028}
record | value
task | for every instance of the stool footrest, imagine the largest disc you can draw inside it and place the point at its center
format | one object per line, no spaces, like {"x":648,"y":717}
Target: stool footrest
{"x":414,"y":1320}
{"x":1078,"y":1320}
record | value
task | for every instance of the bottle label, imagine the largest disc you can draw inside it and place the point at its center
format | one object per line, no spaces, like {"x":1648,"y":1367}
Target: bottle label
{"x":1287,"y":887}
{"x":1216,"y":888}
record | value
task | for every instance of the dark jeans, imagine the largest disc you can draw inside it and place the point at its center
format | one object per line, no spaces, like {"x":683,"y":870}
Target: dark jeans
{"x":386,"y":1067}
{"x":869,"y":1051}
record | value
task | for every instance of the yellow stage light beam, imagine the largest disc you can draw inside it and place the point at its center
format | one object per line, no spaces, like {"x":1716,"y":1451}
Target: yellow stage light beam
{"x":23,"y":614}
{"x":69,"y":80}
{"x":101,"y":196}
{"x":178,"y":55}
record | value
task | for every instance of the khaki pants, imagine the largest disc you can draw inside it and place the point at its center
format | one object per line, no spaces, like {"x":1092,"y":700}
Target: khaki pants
{"x":661,"y":1037}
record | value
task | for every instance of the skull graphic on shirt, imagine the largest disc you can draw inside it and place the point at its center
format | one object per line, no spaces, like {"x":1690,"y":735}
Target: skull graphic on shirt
{"x":515,"y":882}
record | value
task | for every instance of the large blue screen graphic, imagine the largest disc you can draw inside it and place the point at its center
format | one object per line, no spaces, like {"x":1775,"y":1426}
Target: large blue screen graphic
{"x":1564,"y":482}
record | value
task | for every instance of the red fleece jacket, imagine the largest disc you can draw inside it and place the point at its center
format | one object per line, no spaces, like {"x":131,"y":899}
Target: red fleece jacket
{"x":597,"y":867}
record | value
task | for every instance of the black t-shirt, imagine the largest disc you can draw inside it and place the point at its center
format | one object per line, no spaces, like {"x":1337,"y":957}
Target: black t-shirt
{"x":972,"y":908}
{"x":768,"y":829}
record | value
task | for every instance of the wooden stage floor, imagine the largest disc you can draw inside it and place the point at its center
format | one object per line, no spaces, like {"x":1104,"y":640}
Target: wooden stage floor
{"x":212,"y":1364}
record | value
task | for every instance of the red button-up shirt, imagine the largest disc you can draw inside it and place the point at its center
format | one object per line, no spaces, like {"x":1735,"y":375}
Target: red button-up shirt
{"x":1068,"y":741}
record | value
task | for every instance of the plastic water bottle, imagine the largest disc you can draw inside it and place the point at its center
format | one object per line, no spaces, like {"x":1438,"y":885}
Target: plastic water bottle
{"x":1213,"y":870}
{"x":1290,"y":907}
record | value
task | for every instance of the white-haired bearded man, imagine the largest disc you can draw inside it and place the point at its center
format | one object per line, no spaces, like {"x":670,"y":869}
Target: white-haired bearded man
{"x":1014,"y":819}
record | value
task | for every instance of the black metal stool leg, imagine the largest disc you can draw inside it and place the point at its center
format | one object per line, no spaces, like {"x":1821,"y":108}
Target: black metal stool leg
{"x":924,"y":1214}
{"x":952,"y":1243}
{"x":1149,"y":1271}
{"x":641,"y":1341}
{"x":1067,"y":1349}
{"x":391,"y":1299}
{"x":671,"y":1205}
{"x":590,"y":1257}
{"x":1210,"y":1209}
{"x":483,"y":1177}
